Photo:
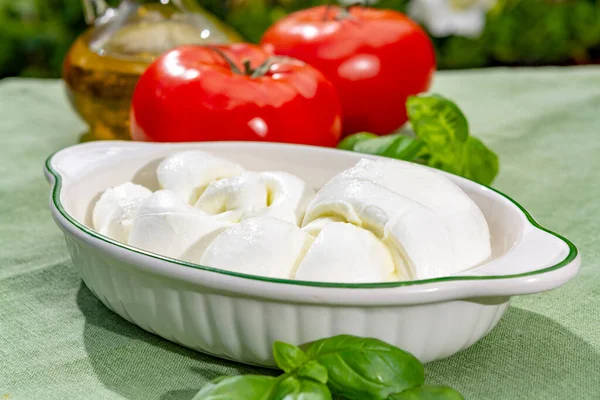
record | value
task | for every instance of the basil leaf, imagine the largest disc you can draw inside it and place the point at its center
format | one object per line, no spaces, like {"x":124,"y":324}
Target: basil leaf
{"x":437,"y":120}
{"x":313,"y":370}
{"x":395,"y":146}
{"x":288,"y":357}
{"x":365,"y":368}
{"x":293,"y":388}
{"x":245,"y":387}
{"x":407,"y":148}
{"x":442,"y":141}
{"x":378,"y":145}
{"x":349,"y":142}
{"x":428,"y":393}
{"x":444,"y":129}
{"x":442,"y":126}
{"x":255,"y":387}
{"x":481,"y":164}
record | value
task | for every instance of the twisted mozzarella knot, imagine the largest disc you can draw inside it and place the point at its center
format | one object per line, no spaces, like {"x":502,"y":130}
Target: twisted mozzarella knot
{"x":429,"y":225}
{"x":188,"y":173}
{"x":167,"y":225}
{"x":275,"y":194}
{"x":262,"y":246}
{"x":343,"y":252}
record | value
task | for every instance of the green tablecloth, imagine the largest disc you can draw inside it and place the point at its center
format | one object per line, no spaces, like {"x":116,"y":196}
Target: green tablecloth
{"x":58,"y":342}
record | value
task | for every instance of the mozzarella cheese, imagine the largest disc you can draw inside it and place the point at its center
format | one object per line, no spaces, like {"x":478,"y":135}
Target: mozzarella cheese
{"x":167,"y":225}
{"x":188,"y":173}
{"x":469,"y":230}
{"x":244,"y":193}
{"x":116,"y":208}
{"x":410,"y":230}
{"x":262,"y":246}
{"x":287,"y":196}
{"x":421,"y":245}
{"x":431,"y":227}
{"x":377,"y":221}
{"x":315,"y":227}
{"x":346,"y":253}
{"x":275,"y":194}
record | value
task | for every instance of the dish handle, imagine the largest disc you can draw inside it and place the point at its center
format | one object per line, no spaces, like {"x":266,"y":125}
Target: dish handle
{"x":75,"y":160}
{"x":540,"y":261}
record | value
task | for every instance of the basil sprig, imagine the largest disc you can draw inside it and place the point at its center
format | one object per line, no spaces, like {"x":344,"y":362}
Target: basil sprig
{"x":441,"y":140}
{"x":364,"y":368}
{"x":352,"y":367}
{"x":428,"y":393}
{"x":257,"y":387}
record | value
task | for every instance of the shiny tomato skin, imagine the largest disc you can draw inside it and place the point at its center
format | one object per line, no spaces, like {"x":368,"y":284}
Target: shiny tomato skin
{"x":375,"y":58}
{"x":192,"y":94}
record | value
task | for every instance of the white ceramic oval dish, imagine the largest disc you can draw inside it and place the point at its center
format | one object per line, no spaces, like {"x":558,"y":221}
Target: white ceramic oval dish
{"x":239,"y":316}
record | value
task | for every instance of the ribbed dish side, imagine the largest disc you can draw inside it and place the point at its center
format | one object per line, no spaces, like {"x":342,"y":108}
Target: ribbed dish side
{"x":243,"y":329}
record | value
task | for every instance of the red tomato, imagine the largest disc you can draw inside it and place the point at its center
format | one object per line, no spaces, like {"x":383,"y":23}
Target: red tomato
{"x":375,"y":59}
{"x":192,"y":93}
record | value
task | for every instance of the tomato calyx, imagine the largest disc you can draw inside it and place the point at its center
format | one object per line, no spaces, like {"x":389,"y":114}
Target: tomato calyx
{"x":343,"y":13}
{"x":259,"y":71}
{"x":228,"y":60}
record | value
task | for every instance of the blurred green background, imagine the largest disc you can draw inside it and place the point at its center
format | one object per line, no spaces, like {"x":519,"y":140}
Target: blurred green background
{"x":35,"y":34}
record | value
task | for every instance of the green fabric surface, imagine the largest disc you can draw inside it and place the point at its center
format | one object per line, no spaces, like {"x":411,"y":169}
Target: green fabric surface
{"x":58,"y":342}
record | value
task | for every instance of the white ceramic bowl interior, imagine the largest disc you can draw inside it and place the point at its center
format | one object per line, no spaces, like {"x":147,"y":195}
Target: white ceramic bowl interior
{"x":238,"y":316}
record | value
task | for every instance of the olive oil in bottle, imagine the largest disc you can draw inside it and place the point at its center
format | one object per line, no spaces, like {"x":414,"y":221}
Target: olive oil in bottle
{"x":104,"y":64}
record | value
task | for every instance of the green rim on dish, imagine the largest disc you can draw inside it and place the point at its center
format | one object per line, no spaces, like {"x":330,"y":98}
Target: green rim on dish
{"x":57,"y":203}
